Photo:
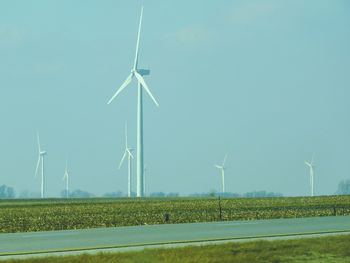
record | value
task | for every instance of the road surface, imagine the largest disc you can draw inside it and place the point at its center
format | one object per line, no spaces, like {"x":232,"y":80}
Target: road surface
{"x":31,"y":243}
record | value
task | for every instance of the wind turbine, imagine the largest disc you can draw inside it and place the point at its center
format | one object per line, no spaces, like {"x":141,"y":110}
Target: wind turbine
{"x":129,"y":154}
{"x":66,"y":177}
{"x":141,"y":85}
{"x":41,"y":161}
{"x":311,"y":167}
{"x":222,"y":168}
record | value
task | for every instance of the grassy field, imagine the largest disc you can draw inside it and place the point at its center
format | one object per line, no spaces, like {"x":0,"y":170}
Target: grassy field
{"x":58,"y":214}
{"x":322,"y":249}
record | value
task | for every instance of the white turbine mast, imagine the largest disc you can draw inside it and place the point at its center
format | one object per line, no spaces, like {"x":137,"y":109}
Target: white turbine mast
{"x":144,"y":179}
{"x":41,"y":155}
{"x":311,"y":171}
{"x":222,"y":168}
{"x":66,"y":177}
{"x":127,"y":152}
{"x":138,"y":74}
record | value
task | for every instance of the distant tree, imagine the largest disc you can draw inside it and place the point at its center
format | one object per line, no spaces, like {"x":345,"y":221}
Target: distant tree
{"x":114,"y":194}
{"x":228,"y":194}
{"x":173,"y":195}
{"x":27,"y":194}
{"x":262,"y":194}
{"x":78,"y":194}
{"x":344,"y":187}
{"x":64,"y":193}
{"x":6,"y":192}
{"x":212,"y":193}
{"x":157,"y":194}
{"x":232,"y":194}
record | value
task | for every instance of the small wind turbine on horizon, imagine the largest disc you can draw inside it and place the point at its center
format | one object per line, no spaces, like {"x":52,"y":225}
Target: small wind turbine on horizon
{"x":66,"y":177}
{"x":42,"y":153}
{"x":128,"y":153}
{"x":141,"y":85}
{"x":222,"y":168}
{"x":311,"y":169}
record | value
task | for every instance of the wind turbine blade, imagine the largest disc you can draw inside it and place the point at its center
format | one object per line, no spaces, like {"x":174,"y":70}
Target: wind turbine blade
{"x":223,"y":163}
{"x":125,"y":83}
{"x":144,"y":85}
{"x":37,"y":166}
{"x":121,"y":161}
{"x":138,"y":41}
{"x":312,"y":159}
{"x":308,"y":164}
{"x":38,"y":138}
{"x":218,"y":166}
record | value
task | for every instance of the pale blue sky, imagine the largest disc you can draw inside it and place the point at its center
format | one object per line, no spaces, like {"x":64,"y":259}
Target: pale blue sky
{"x":265,"y":81}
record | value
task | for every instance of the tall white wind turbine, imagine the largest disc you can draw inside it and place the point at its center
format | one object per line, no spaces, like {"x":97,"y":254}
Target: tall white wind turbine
{"x":311,"y":169}
{"x":128,"y":153}
{"x":66,"y":177}
{"x":41,"y":155}
{"x":222,"y":168}
{"x":141,"y":85}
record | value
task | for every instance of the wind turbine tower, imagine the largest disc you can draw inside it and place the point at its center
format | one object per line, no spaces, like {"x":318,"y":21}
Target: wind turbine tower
{"x":66,"y":177}
{"x":41,"y":155}
{"x":144,"y":179}
{"x":141,"y":86}
{"x":128,"y":153}
{"x":311,"y":169}
{"x":222,"y":168}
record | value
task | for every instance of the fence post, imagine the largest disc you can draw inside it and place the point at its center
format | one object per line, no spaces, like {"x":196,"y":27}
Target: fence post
{"x":166,"y":217}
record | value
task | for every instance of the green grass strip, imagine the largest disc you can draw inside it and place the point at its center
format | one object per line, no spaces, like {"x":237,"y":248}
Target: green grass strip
{"x":312,"y":250}
{"x":168,"y":242}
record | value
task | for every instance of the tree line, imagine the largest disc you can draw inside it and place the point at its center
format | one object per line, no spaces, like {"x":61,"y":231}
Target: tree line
{"x":7,"y":192}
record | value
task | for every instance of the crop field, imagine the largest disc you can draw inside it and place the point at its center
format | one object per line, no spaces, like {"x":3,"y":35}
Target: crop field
{"x":59,"y":214}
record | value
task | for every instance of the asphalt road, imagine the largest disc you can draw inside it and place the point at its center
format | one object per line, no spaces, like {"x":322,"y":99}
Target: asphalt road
{"x":105,"y":238}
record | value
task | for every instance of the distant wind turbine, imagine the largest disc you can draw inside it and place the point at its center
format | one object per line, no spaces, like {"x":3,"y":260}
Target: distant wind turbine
{"x":222,"y":168}
{"x":311,"y":167}
{"x":66,"y":177}
{"x":138,"y":73}
{"x":41,"y":161}
{"x":128,"y":153}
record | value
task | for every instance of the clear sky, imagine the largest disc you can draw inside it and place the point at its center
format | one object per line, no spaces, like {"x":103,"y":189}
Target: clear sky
{"x":267,"y":82}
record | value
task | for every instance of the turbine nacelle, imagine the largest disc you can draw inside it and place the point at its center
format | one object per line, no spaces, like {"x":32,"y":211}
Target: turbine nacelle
{"x":42,"y":153}
{"x":142,"y":72}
